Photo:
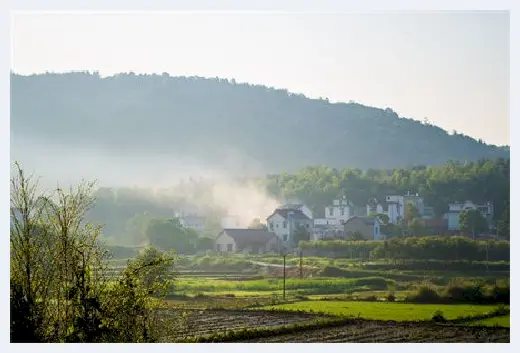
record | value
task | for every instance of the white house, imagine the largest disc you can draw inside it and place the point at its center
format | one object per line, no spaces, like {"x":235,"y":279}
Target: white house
{"x":374,"y":206}
{"x":294,"y":205}
{"x":255,"y":241}
{"x":397,"y":206}
{"x":284,"y":221}
{"x":456,"y":208}
{"x":192,"y":220}
{"x":368,"y":227}
{"x":340,"y":210}
{"x":336,"y":215}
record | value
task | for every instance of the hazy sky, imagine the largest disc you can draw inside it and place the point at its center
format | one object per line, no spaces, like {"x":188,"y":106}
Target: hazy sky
{"x":452,"y":68}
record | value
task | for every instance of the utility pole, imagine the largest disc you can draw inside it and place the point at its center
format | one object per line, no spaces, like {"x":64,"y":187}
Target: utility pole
{"x":301,"y":264}
{"x":487,"y":256}
{"x":284,"y":254}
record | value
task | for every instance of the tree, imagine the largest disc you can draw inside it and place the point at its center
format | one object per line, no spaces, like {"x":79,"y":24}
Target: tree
{"x":301,"y":234}
{"x":256,"y":224}
{"x":503,"y":224}
{"x":385,"y":225}
{"x":60,"y":288}
{"x":166,"y":234}
{"x":356,"y":236}
{"x":417,"y":227}
{"x":472,"y":222}
{"x":205,"y":243}
{"x":411,"y":213}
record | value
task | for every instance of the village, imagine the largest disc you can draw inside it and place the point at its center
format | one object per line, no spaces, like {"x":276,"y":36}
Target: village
{"x":294,"y":221}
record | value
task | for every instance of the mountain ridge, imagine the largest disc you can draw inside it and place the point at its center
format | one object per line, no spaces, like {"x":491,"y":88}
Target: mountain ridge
{"x":218,"y":119}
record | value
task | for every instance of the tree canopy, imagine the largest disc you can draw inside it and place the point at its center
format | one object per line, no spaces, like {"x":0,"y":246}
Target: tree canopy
{"x":173,"y":114}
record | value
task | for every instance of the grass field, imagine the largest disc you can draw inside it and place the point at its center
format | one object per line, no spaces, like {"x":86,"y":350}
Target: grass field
{"x":310,"y":285}
{"x":502,"y":321}
{"x":385,"y":311}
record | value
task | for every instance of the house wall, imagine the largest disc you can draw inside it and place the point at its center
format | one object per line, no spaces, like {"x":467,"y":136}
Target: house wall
{"x":271,"y":245}
{"x":375,"y":209}
{"x":338,"y":212}
{"x":279,"y":226}
{"x":357,"y":225}
{"x":222,"y":243}
{"x":453,"y":214}
{"x":306,"y":211}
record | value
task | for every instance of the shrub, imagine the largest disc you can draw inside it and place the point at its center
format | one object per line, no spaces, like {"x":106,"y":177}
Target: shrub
{"x":501,"y":294}
{"x":424,"y":294}
{"x":370,"y":298}
{"x":390,"y":297}
{"x":438,"y":316}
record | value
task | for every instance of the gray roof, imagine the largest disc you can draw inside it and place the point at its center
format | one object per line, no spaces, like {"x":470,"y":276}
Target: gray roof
{"x":284,"y":212}
{"x":249,"y":237}
{"x":366,"y":220}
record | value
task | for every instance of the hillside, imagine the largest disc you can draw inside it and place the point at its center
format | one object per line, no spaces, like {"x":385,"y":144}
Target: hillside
{"x":213,"y":119}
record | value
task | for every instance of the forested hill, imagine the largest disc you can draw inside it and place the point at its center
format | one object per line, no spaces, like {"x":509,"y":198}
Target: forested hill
{"x":209,"y":118}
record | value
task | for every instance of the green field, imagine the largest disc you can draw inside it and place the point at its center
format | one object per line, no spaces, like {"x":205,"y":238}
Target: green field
{"x":310,"y":285}
{"x":385,"y":311}
{"x":502,"y":321}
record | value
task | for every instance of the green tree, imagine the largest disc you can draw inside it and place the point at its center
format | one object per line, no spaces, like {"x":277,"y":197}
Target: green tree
{"x":256,"y":224}
{"x":411,"y":213}
{"x":503,"y":223}
{"x":205,"y":243}
{"x":356,"y":236}
{"x":417,"y":227}
{"x":166,"y":234}
{"x":301,"y":234}
{"x":471,"y":222}
{"x":60,"y":285}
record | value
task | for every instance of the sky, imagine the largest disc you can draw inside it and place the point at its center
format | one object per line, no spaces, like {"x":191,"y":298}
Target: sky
{"x":449,"y":67}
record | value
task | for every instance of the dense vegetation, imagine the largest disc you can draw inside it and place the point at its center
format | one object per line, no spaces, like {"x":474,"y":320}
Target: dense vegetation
{"x":60,"y":291}
{"x":209,"y":118}
{"x":125,"y":212}
{"x":480,"y":182}
{"x":414,"y":248}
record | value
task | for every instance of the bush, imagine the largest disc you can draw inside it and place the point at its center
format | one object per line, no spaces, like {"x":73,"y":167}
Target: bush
{"x":438,"y":316}
{"x":370,"y":298}
{"x":390,"y":297}
{"x":424,"y":294}
{"x":501,"y":294}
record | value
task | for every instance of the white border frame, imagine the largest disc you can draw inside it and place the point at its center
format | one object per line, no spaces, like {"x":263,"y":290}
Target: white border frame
{"x":207,"y":6}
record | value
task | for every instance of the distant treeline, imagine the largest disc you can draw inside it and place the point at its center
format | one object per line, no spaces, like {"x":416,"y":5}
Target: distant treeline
{"x":124,"y":211}
{"x":413,"y":248}
{"x":480,"y":182}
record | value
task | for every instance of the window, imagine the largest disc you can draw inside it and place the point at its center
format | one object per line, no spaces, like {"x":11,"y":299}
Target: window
{"x":230,"y":247}
{"x":271,"y":226}
{"x":285,"y":224}
{"x":342,"y":210}
{"x":218,"y":247}
{"x":277,"y":225}
{"x":285,"y":237}
{"x":307,"y":225}
{"x":331,"y":211}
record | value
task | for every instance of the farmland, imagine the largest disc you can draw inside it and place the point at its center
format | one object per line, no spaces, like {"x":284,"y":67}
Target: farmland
{"x":282,"y":326}
{"x":240,"y":299}
{"x":384,"y":332}
{"x":384,"y":311}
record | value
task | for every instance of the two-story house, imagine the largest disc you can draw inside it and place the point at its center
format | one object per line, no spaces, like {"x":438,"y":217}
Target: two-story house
{"x":453,"y":214}
{"x":285,"y":221}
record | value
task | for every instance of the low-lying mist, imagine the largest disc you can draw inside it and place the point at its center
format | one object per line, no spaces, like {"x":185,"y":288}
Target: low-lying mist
{"x":227,"y":185}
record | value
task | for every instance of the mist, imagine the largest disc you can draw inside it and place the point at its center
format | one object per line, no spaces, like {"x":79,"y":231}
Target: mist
{"x":225,"y":185}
